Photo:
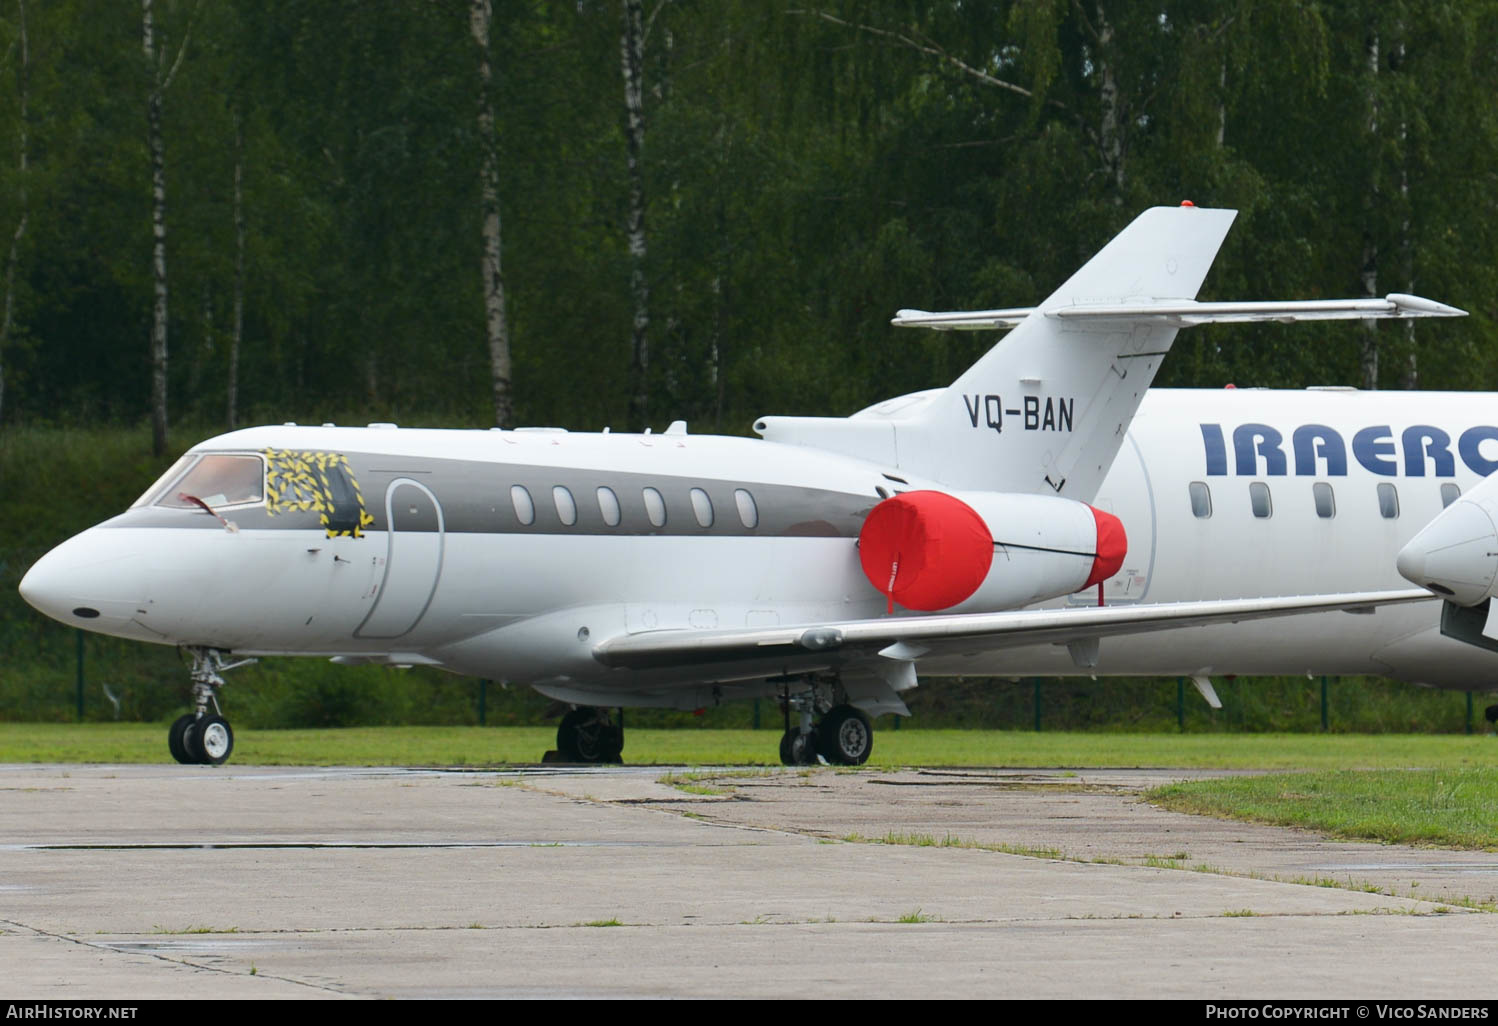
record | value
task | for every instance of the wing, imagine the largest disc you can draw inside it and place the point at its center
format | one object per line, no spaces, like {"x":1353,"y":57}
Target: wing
{"x":909,"y":638}
{"x":1183,"y":313}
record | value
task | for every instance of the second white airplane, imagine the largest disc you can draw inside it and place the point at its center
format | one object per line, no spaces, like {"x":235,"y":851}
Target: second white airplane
{"x":611,"y":570}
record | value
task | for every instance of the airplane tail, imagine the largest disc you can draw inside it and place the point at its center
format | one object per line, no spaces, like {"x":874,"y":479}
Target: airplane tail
{"x":1046,"y":409}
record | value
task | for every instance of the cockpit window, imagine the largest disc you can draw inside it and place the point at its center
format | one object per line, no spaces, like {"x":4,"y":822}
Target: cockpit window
{"x":172,"y":473}
{"x":218,"y":480}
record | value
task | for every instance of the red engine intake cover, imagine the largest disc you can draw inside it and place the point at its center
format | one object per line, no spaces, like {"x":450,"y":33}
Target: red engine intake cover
{"x":926,"y":550}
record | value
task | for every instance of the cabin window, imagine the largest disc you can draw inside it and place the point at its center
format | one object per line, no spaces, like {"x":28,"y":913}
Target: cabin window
{"x":219,"y":480}
{"x":525,"y":509}
{"x":1201,"y":500}
{"x":1258,"y":498}
{"x":608,"y":506}
{"x":1326,"y":502}
{"x":748,"y":511}
{"x":1450,"y":493}
{"x":566,"y":506}
{"x":1388,"y":501}
{"x":702,"y":507}
{"x":655,"y":507}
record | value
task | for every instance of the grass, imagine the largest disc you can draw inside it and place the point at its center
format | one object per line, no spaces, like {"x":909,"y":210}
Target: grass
{"x":928,"y":841}
{"x":1447,"y":806}
{"x":1451,"y":800}
{"x":501,"y":746}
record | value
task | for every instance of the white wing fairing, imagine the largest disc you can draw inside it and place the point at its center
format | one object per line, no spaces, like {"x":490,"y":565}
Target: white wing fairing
{"x":616,"y":569}
{"x":964,"y":634}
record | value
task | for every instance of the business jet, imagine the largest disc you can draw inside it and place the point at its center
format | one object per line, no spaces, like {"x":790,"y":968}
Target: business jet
{"x":676,"y":570}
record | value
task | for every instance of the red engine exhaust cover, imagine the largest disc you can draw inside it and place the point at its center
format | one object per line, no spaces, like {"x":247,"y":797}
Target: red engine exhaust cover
{"x":1112,"y":546}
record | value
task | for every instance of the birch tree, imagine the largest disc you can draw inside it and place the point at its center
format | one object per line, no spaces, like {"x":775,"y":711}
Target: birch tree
{"x":1368,"y":273}
{"x":495,"y":325}
{"x":632,"y":59}
{"x":161,"y":77}
{"x":236,"y":327}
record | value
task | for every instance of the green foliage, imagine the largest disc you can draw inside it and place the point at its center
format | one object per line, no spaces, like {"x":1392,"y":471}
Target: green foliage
{"x":1450,"y":807}
{"x":806,"y":172}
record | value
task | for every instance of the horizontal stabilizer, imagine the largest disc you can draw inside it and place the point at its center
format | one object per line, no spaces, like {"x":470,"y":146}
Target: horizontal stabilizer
{"x":1184,"y":313}
{"x":963,"y":320}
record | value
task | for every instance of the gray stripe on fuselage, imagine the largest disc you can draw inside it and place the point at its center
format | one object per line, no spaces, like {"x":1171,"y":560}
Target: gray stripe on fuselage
{"x":475,"y":498}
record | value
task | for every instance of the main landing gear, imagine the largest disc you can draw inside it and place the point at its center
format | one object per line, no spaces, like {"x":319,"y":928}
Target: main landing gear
{"x":586,"y":734}
{"x":843,"y":737}
{"x":201,"y":736}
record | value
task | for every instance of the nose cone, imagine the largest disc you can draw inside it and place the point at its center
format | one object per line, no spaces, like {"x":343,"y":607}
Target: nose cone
{"x":1455,"y":555}
{"x":91,"y":581}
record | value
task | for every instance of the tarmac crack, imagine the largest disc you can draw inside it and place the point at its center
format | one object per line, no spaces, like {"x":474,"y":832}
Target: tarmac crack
{"x":160,"y":957}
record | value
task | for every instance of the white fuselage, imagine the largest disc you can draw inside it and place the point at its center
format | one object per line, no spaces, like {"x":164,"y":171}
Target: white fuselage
{"x":448,"y":572}
{"x":1175,"y":555}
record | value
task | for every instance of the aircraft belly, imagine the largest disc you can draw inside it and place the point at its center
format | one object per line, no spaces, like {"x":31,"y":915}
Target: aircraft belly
{"x":1427,"y":657}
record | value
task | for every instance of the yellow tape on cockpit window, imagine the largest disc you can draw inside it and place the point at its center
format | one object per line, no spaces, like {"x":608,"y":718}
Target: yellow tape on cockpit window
{"x":298,"y":482}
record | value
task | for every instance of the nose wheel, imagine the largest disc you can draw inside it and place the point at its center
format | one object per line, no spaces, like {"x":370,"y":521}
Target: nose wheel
{"x":203,"y":737}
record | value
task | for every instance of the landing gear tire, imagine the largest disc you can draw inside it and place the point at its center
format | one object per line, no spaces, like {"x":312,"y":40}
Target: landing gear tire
{"x":586,"y":735}
{"x":845,"y":737}
{"x":174,"y":738}
{"x":1491,"y":714}
{"x":798,"y":749}
{"x":209,"y":741}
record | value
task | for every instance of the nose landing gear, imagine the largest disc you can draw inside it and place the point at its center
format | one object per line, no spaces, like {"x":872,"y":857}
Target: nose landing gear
{"x":200,"y":736}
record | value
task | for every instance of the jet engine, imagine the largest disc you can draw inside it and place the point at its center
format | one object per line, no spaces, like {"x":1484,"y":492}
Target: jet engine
{"x":985,"y":551}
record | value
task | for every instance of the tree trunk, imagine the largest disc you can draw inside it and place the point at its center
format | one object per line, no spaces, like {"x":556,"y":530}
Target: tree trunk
{"x":1369,"y":274}
{"x":496,"y":327}
{"x":632,"y":52}
{"x":203,"y":353}
{"x":1406,"y":244}
{"x":1110,"y":128}
{"x":236,"y":329}
{"x":8,"y":316}
{"x":158,"y":237}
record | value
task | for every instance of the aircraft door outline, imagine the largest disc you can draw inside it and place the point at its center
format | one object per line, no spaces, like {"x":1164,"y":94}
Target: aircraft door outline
{"x":416,"y":538}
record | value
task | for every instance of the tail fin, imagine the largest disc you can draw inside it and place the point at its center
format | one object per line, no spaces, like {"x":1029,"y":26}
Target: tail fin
{"x":1046,"y":409}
